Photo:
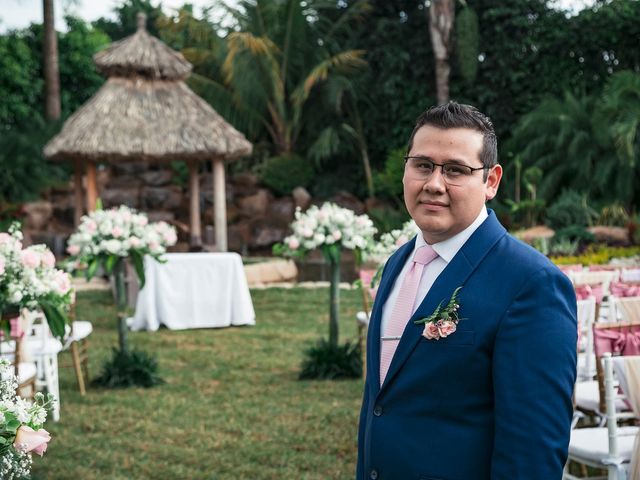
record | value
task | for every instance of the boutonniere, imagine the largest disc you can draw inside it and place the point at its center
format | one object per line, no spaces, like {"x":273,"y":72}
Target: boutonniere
{"x":443,"y":321}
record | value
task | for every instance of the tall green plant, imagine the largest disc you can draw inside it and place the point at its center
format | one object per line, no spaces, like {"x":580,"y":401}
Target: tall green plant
{"x":589,"y":143}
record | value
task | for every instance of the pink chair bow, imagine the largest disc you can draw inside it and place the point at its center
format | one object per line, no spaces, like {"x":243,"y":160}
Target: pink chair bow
{"x":622,"y":289}
{"x":617,"y":341}
{"x":366,"y":277}
{"x":585,"y":291}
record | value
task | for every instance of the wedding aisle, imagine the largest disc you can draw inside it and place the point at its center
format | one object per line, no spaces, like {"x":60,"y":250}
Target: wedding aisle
{"x":232,"y":407}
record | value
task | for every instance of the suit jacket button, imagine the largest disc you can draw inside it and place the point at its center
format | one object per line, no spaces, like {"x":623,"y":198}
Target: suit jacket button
{"x":377,"y":411}
{"x":373,"y":475}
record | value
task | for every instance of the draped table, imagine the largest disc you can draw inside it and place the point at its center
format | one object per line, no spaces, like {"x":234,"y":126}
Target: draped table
{"x":194,"y":290}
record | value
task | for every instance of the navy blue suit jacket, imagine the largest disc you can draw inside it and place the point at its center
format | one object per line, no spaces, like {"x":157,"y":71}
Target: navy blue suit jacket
{"x":491,"y":401}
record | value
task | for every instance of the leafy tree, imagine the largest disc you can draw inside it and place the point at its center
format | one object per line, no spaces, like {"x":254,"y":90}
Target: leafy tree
{"x":590,"y":144}
{"x":125,"y":23}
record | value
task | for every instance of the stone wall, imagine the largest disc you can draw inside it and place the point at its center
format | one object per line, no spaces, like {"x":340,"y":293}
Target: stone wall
{"x":256,"y":219}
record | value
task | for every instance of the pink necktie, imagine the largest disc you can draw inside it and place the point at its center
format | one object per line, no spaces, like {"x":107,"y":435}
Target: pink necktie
{"x":403,"y":308}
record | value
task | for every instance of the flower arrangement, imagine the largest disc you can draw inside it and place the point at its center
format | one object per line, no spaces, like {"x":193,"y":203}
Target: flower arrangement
{"x":328,"y":227}
{"x":21,"y":432}
{"x":29,"y":279}
{"x":106,"y":236}
{"x":389,"y":242}
{"x":443,"y":321}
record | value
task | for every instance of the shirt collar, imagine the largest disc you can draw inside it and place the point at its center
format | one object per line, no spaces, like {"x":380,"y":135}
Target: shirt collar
{"x":448,"y":248}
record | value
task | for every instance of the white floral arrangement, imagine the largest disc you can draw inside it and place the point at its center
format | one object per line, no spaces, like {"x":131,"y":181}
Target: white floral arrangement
{"x":105,"y":236}
{"x":29,"y":279}
{"x":328,"y":226}
{"x":21,"y":432}
{"x":378,"y":252}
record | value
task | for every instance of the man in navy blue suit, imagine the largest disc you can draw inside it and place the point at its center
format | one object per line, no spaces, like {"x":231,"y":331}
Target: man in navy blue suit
{"x":471,"y":353}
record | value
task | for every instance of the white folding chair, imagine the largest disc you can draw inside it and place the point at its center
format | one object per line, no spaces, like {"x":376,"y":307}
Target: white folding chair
{"x":25,"y":370}
{"x":586,"y":357}
{"x":43,"y":348}
{"x":609,"y":448}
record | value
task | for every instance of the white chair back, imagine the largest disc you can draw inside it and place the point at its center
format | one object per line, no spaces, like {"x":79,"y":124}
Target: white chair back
{"x":586,"y":319}
{"x":630,"y":274}
{"x":627,"y":371}
{"x":605,"y":277}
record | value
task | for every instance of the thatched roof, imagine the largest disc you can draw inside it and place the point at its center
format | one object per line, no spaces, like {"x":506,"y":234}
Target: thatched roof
{"x":142,"y":54}
{"x":152,"y":120}
{"x":145,"y":111}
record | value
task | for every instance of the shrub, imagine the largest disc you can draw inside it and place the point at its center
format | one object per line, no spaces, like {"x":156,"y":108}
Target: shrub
{"x":388,"y":182}
{"x":386,"y":219}
{"x":325,"y":361}
{"x":597,"y":255}
{"x":129,"y":368}
{"x":614,"y":215}
{"x":285,"y":172}
{"x":570,"y":210}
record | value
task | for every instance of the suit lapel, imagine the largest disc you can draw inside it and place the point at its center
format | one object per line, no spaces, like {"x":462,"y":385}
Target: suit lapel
{"x":453,"y":276}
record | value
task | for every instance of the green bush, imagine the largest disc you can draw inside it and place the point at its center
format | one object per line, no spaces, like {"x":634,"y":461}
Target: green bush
{"x":325,"y":361}
{"x":614,"y":215}
{"x":24,"y":172}
{"x":386,"y":219}
{"x":129,"y":368}
{"x":285,"y":172}
{"x":388,"y":182}
{"x":571,"y":209}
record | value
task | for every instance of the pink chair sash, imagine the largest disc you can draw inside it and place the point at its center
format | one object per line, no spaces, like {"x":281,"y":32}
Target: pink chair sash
{"x":366,"y":276}
{"x":622,"y":289}
{"x":585,"y":291}
{"x":617,"y":341}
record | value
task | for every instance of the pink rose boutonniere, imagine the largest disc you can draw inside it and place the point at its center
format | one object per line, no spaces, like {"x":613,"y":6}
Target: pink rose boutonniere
{"x":443,"y":321}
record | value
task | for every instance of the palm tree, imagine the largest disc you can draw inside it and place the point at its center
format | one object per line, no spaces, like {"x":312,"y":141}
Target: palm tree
{"x":590,"y":144}
{"x":50,"y":60}
{"x":441,"y":18}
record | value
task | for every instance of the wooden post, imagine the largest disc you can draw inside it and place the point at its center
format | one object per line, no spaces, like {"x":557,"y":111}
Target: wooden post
{"x":92,"y":187}
{"x":194,"y":202}
{"x":78,"y":196}
{"x":219,"y":204}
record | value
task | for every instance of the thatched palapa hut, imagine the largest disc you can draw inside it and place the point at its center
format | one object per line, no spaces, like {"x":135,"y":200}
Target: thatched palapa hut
{"x":146,"y":112}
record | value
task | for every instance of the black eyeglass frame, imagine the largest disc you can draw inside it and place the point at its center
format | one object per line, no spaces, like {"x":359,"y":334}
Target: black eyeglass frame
{"x":442,"y":165}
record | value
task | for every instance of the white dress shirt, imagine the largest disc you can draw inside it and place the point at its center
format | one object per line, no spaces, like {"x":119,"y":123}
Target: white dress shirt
{"x":446,"y":250}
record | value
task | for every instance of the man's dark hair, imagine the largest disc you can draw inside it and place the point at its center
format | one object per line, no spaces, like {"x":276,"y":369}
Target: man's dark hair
{"x":458,"y":115}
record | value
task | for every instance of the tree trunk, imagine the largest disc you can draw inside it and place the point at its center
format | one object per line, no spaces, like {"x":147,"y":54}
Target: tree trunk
{"x":50,"y":60}
{"x":441,"y":17}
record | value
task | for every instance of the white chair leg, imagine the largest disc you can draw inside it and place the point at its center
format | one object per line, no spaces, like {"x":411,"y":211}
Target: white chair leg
{"x":52,"y":383}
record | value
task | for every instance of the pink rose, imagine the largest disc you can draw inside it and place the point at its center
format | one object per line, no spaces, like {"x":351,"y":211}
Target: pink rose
{"x":116,"y":232}
{"x":1,"y":266}
{"x":73,"y":249}
{"x":48,"y":259}
{"x":4,"y":238}
{"x":63,"y":283}
{"x":337,"y":234}
{"x":431,"y":331}
{"x":293,"y":243}
{"x":91,"y":226}
{"x":134,"y":242}
{"x":28,"y":440}
{"x":30,"y":258}
{"x":446,"y":328}
{"x":153,"y":246}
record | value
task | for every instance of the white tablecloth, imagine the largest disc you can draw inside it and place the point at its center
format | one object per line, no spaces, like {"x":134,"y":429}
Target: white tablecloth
{"x":194,"y":290}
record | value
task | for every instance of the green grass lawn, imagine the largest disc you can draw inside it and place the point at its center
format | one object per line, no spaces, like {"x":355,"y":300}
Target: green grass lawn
{"x":232,"y":407}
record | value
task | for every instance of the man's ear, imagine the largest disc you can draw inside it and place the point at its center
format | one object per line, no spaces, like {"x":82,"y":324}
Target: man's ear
{"x":493,"y":182}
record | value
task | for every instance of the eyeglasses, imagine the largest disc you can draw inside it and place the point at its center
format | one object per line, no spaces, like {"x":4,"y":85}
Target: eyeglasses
{"x":421,"y":168}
